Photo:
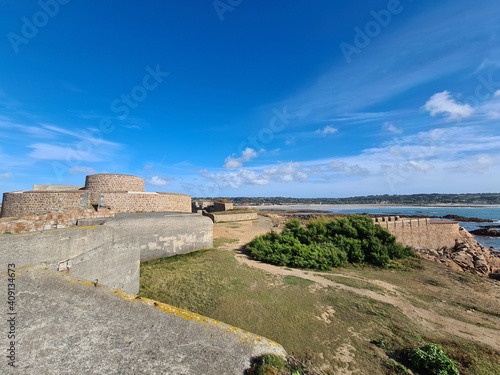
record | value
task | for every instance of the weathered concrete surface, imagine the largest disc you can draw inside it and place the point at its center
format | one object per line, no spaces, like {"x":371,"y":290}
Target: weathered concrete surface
{"x":163,"y":234}
{"x":111,"y":250}
{"x":89,"y":253}
{"x":67,"y":326}
{"x":222,"y":218}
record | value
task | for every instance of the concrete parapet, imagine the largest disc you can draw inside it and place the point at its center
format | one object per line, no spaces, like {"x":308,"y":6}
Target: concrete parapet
{"x":106,"y":331}
{"x":86,"y":252}
{"x":110,"y":251}
{"x":231,"y":217}
{"x":162,"y":234}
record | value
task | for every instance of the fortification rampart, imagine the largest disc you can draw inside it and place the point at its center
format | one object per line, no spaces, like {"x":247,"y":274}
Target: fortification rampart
{"x":146,"y":202}
{"x":19,"y":204}
{"x":421,"y":233}
{"x":120,"y":193}
{"x":110,"y":252}
{"x":34,"y":223}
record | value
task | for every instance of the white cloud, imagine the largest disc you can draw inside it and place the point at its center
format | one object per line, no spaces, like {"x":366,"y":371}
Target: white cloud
{"x":203,"y":171}
{"x":232,"y":163}
{"x":86,"y":170}
{"x":327,"y":130}
{"x":349,"y":169}
{"x":158,"y":181}
{"x":479,"y":163}
{"x":148,"y":166}
{"x":237,"y":179}
{"x":249,"y":153}
{"x":6,"y":175}
{"x":388,"y":126}
{"x":443,"y":102}
{"x":287,"y":172}
{"x":491,"y":108}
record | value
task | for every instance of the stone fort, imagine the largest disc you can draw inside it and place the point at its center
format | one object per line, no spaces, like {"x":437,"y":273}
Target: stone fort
{"x":116,"y":192}
{"x":73,"y":255}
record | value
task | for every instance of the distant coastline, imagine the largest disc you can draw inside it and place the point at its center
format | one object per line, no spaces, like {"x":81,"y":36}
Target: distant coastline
{"x":471,"y":217}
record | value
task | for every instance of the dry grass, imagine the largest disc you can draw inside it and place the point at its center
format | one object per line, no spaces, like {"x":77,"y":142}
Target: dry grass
{"x":336,"y":329}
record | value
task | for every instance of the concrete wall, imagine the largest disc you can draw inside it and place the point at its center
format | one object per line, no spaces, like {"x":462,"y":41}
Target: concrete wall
{"x":109,"y":252}
{"x":66,"y":326}
{"x":231,"y":217}
{"x":114,"y":182}
{"x":423,"y":233}
{"x":164,"y":234}
{"x":89,"y":253}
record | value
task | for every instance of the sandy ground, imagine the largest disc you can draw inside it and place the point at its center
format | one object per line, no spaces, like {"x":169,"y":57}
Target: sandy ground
{"x":246,"y":231}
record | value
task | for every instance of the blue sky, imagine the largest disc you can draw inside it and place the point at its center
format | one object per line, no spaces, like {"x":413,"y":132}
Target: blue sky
{"x":253,"y":98}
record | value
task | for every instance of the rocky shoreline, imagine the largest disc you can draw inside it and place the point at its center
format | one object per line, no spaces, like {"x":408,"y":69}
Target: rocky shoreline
{"x":467,"y":255}
{"x":487,"y":231}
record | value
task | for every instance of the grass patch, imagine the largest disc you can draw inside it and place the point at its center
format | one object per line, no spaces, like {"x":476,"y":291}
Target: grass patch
{"x":292,"y":280}
{"x":435,"y":283}
{"x":221,"y":241}
{"x":355,"y":283}
{"x":212,"y":283}
{"x":339,"y":331}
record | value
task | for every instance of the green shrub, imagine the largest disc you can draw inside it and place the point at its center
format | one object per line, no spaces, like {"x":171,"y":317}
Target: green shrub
{"x":323,"y":244}
{"x":432,"y":360}
{"x":268,"y":364}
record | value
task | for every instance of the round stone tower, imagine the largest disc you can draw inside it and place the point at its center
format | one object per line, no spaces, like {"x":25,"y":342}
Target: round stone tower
{"x":114,"y":182}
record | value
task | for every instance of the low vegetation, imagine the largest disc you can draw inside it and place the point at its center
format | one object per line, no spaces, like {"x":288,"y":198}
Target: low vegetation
{"x":431,"y":359}
{"x":271,"y":364}
{"x":327,"y":328}
{"x":221,"y":241}
{"x":323,"y":244}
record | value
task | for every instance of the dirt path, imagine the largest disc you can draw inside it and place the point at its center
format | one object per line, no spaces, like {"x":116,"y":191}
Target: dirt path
{"x":246,"y":231}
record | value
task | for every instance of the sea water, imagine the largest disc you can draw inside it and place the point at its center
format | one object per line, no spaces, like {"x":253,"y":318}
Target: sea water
{"x":481,"y":212}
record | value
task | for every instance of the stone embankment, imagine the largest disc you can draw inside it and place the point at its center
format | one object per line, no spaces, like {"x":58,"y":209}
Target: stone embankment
{"x":467,"y":255}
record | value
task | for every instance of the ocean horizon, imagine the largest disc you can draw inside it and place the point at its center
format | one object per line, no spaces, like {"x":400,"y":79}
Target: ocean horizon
{"x":480,"y":211}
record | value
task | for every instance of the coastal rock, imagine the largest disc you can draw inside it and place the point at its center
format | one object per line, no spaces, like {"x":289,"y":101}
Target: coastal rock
{"x":467,"y":255}
{"x":486,"y":232}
